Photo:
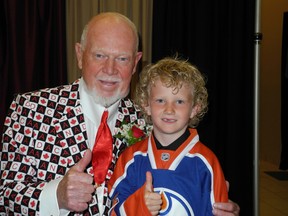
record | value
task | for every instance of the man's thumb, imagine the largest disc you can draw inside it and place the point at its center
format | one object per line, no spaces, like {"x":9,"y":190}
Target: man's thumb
{"x":149,"y":181}
{"x":82,"y":164}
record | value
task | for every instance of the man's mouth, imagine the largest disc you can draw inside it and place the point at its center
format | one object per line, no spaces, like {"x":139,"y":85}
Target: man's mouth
{"x":107,"y":83}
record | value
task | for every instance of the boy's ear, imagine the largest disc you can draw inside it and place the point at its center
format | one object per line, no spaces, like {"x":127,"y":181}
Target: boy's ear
{"x":195,"y":111}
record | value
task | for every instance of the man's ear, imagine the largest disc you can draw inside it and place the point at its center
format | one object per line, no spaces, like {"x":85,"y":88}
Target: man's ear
{"x":137,"y":59}
{"x":148,"y":110}
{"x":79,"y":54}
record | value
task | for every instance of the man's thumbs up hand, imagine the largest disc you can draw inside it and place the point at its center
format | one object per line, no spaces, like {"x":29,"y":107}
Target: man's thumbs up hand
{"x":83,"y":163}
{"x":75,"y":190}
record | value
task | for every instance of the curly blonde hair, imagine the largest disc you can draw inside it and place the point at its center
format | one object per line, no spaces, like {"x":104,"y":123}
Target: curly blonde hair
{"x":173,"y":73}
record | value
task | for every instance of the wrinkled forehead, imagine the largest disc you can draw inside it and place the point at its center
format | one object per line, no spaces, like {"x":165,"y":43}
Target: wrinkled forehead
{"x":117,"y":26}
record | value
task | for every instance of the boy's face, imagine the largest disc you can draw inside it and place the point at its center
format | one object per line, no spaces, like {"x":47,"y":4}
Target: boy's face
{"x":170,"y":111}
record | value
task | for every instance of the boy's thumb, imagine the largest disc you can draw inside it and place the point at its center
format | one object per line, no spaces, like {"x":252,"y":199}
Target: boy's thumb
{"x":149,"y":181}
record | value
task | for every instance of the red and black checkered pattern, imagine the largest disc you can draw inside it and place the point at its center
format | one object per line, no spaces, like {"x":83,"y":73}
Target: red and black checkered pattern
{"x":44,"y":135}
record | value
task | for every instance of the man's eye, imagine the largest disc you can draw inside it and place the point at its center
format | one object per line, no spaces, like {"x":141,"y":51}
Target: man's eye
{"x":122,"y":59}
{"x":99,"y":56}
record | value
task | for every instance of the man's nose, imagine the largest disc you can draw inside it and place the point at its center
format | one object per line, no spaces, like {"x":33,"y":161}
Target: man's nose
{"x":109,"y":67}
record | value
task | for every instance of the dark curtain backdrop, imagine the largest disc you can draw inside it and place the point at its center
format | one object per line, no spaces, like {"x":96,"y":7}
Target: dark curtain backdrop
{"x":284,"y":95}
{"x":32,"y":47}
{"x":217,"y":36}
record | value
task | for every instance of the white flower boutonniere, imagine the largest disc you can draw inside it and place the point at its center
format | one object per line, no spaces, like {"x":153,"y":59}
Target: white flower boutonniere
{"x":132,"y":133}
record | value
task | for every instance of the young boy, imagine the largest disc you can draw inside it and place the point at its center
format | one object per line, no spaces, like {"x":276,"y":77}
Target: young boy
{"x":187,"y":176}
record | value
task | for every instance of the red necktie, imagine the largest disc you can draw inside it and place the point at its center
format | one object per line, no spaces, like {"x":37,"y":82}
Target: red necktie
{"x":102,"y":150}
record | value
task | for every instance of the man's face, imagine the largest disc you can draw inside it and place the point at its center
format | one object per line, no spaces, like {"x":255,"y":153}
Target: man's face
{"x":108,"y":60}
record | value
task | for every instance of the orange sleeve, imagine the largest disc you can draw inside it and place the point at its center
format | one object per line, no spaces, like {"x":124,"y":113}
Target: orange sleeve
{"x":220,"y":190}
{"x":219,"y":184}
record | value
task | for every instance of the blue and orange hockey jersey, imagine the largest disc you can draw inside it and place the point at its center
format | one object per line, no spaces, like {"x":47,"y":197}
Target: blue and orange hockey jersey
{"x":190,"y":179}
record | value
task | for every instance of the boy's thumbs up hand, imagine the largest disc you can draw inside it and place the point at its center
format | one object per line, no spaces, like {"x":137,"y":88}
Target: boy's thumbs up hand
{"x":149,"y":182}
{"x":153,"y":200}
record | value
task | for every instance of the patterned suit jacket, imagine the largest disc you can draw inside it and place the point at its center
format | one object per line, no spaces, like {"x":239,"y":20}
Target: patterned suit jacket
{"x":44,"y":135}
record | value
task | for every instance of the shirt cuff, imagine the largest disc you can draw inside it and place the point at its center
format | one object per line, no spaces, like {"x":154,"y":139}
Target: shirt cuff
{"x":48,"y":200}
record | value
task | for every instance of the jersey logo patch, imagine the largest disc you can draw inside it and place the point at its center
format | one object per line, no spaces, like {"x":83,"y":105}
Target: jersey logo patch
{"x":165,"y":156}
{"x":174,"y":203}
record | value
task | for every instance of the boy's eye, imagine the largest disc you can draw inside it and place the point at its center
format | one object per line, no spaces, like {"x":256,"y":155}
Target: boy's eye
{"x":159,"y":100}
{"x":180,"y":101}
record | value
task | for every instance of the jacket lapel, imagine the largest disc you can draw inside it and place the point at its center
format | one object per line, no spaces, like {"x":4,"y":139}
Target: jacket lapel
{"x":69,"y":125}
{"x":127,"y":113}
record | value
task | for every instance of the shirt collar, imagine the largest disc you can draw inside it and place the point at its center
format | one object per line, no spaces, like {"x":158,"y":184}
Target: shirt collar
{"x":174,"y":145}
